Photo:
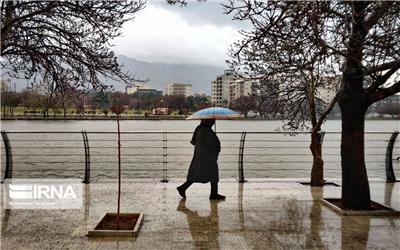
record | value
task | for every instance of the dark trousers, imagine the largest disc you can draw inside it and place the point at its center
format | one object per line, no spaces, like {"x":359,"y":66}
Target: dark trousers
{"x":214,"y":186}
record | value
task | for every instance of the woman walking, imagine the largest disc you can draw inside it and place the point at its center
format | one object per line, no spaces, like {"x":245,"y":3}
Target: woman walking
{"x":204,"y":167}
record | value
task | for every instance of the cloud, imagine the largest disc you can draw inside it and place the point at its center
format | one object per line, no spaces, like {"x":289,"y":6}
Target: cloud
{"x":158,"y":34}
{"x":200,"y":13}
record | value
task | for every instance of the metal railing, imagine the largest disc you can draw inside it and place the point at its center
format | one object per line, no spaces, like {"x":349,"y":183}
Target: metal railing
{"x":71,"y":153}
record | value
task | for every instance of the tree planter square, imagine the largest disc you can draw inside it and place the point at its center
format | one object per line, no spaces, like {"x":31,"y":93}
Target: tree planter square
{"x":129,"y":225}
{"x":375,"y":210}
{"x":326,"y":183}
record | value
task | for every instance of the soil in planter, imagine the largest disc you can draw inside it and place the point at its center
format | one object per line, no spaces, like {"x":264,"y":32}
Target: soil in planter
{"x":109,"y":222}
{"x":374,"y":206}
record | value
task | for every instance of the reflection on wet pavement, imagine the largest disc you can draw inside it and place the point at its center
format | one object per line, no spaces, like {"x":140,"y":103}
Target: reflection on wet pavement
{"x":259,"y":214}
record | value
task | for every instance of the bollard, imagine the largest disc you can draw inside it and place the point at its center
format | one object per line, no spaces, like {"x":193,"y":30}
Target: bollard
{"x":9,"y":161}
{"x":390,"y":177}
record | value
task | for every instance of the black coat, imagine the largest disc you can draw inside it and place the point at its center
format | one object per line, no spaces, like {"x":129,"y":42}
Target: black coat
{"x":204,"y":167}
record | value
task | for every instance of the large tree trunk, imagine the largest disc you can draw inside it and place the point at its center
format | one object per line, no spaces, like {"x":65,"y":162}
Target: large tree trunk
{"x":352,"y":102}
{"x":355,"y":186}
{"x":317,"y":171}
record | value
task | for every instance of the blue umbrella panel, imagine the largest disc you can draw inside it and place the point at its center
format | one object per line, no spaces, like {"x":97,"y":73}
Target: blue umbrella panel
{"x":215,"y":113}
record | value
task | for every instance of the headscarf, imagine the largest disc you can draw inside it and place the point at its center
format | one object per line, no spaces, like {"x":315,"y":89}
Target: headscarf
{"x":208,"y":122}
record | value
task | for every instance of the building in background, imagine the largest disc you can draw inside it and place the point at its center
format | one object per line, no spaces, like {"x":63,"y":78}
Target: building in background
{"x":220,"y":89}
{"x":184,"y":89}
{"x":143,"y":93}
{"x":135,"y":86}
{"x":328,"y":89}
{"x":240,"y":87}
{"x":161,"y":111}
{"x":200,"y":93}
{"x":7,"y":85}
{"x":228,"y":87}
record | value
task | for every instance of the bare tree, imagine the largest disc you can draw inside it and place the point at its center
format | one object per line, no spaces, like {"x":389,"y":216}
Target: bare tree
{"x":47,"y":37}
{"x":9,"y":99}
{"x":80,"y":104}
{"x":117,"y":108}
{"x":47,"y":89}
{"x":174,"y":101}
{"x":365,"y":37}
{"x":265,"y":100}
{"x":290,"y":74}
{"x":244,"y":104}
{"x":30,"y":99}
{"x":66,"y":93}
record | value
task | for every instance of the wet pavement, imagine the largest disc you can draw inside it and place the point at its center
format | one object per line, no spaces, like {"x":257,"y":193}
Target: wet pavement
{"x":259,"y":214}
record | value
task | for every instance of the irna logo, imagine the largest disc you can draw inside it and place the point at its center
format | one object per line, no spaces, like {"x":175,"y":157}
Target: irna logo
{"x":42,"y":194}
{"x":51,"y":191}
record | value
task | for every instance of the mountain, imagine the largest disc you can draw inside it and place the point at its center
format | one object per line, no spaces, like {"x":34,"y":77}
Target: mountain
{"x":160,"y":74}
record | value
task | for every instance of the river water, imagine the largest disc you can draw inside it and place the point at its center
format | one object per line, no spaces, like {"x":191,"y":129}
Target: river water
{"x":267,"y":154}
{"x":168,"y":125}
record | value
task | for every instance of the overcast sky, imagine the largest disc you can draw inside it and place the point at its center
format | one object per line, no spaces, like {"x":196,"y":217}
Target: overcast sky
{"x":198,"y":33}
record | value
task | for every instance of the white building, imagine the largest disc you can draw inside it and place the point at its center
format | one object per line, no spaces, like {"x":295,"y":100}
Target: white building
{"x":240,"y":87}
{"x":228,"y":87}
{"x":135,"y":86}
{"x":178,"y":89}
{"x":220,"y":89}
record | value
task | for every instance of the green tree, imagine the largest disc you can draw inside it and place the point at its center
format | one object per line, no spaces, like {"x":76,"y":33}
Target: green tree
{"x":102,"y":98}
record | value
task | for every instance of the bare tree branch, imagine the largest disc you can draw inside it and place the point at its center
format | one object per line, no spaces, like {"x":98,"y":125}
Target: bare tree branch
{"x":378,"y":13}
{"x":382,"y":93}
{"x":382,"y":67}
{"x":41,"y":38}
{"x":382,"y":79}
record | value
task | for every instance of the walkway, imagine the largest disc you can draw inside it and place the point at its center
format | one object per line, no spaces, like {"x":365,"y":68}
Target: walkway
{"x":260,"y":214}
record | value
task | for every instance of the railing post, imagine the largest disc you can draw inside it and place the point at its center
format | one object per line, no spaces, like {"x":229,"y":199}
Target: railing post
{"x":165,"y":159}
{"x":87,"y":157}
{"x":240,"y":161}
{"x":390,"y":177}
{"x":9,"y":160}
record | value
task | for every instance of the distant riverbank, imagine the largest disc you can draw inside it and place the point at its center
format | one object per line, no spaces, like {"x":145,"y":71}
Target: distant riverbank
{"x":89,"y":118}
{"x":150,"y":117}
